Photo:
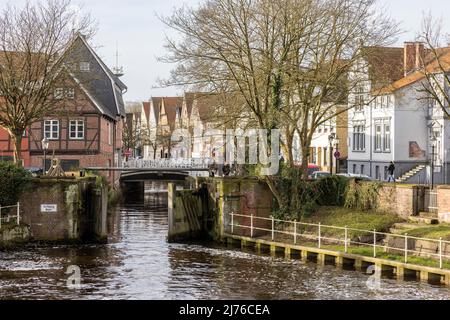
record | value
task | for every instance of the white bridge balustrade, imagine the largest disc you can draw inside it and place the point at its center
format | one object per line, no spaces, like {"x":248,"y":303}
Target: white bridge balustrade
{"x":172,"y":164}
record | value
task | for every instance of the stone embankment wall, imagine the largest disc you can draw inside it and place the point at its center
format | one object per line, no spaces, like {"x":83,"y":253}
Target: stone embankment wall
{"x":11,"y":235}
{"x":65,"y":210}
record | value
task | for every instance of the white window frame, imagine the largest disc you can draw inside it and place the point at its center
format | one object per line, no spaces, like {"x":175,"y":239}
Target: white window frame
{"x":70,"y":93}
{"x":359,"y":99}
{"x":85,"y":66}
{"x":51,"y":134}
{"x":378,"y":143}
{"x":359,"y":138}
{"x":110,"y":133}
{"x":79,"y":129}
{"x":64,"y":93}
{"x":59,"y":93}
{"x":387,"y":137}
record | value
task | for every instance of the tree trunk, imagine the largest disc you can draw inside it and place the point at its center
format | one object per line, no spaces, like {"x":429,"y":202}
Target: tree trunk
{"x":288,"y":149}
{"x":305,"y":155}
{"x":17,"y":149}
{"x":275,"y":192}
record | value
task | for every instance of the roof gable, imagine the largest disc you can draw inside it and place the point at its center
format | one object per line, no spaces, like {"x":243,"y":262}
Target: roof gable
{"x":103,"y":86}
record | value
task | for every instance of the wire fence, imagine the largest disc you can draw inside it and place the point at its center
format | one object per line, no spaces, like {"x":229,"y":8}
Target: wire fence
{"x":348,"y":237}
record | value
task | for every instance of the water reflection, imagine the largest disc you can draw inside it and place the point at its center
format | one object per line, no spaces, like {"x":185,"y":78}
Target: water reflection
{"x":138,"y":263}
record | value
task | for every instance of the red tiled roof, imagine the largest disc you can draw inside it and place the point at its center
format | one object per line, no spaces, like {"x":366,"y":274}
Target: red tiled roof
{"x":443,"y":58}
{"x":147,"y":110}
{"x":206,"y":105}
{"x":385,"y":64}
{"x":171,"y":104}
{"x":156,"y":102}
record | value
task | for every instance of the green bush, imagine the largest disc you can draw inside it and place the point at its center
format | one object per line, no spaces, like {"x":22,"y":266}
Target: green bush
{"x":13,"y":181}
{"x":305,"y":197}
{"x":362,"y":195}
{"x":331,"y":191}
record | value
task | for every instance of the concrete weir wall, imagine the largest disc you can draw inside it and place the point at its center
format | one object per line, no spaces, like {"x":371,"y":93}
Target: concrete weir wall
{"x":65,"y":210}
{"x":186,"y":213}
{"x":205,"y":212}
{"x":244,"y":197}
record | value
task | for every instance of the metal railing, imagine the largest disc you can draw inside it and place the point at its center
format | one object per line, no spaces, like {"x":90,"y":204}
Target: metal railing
{"x":192,"y":163}
{"x":321,"y":237}
{"x":7,"y":217}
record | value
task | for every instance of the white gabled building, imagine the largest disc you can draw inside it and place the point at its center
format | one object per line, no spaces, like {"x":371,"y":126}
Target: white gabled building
{"x":393,"y":120}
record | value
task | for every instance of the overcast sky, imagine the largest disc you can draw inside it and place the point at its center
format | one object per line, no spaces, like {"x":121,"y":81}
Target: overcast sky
{"x":140,"y":35}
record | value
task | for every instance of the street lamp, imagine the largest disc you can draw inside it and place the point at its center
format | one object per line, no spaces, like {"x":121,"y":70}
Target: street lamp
{"x":331,"y":139}
{"x":433,"y":142}
{"x":45,"y":145}
{"x":336,"y":143}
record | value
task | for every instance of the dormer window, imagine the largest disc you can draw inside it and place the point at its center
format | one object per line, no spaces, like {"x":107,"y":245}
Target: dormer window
{"x":85,"y":66}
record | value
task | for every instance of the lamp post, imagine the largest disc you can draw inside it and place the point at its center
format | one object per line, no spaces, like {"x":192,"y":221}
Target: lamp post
{"x":337,"y":142}
{"x":45,"y":144}
{"x":433,"y":141}
{"x":331,"y":139}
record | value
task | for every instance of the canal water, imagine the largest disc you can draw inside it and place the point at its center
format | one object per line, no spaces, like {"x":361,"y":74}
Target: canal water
{"x":138,"y":263}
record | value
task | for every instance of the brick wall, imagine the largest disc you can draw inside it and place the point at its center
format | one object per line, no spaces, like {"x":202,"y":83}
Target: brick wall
{"x":397,"y":199}
{"x":443,"y":202}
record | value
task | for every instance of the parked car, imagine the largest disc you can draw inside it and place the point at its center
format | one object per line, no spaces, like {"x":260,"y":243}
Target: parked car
{"x":320,"y":174}
{"x":356,"y":176}
{"x":312,"y":168}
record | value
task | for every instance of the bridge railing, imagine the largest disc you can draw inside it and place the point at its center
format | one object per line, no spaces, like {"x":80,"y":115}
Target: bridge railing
{"x":192,"y":163}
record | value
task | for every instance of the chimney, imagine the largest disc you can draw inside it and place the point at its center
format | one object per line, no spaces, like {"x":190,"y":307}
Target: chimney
{"x":414,"y":53}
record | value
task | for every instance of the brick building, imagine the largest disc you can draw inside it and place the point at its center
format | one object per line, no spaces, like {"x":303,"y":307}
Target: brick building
{"x":87,"y":129}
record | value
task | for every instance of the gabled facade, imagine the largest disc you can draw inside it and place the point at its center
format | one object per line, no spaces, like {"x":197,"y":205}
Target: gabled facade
{"x":87,"y":129}
{"x":395,"y":122}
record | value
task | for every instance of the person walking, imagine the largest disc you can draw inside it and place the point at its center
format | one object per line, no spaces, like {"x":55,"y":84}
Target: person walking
{"x":391,"y":171}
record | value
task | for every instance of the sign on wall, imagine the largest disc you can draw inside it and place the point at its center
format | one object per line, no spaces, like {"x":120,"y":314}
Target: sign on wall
{"x":49,"y":208}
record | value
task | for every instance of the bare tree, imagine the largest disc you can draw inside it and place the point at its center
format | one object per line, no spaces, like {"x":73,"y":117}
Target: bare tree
{"x":436,"y":64}
{"x":33,"y":41}
{"x":286,"y":61}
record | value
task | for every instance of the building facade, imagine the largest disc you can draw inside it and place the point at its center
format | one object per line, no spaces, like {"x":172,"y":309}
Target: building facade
{"x":396,"y":122}
{"x":86,"y":128}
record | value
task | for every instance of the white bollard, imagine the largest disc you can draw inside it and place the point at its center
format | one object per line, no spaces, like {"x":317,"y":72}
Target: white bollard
{"x":406,"y":248}
{"x":374,"y":243}
{"x":273,"y":228}
{"x":18,"y":213}
{"x":346,"y":239}
{"x":295,"y":232}
{"x":320,"y":235}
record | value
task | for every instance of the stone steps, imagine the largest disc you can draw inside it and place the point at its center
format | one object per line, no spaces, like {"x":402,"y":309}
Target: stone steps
{"x":430,"y":215}
{"x":408,"y":175}
{"x":401,"y":228}
{"x":424,"y":220}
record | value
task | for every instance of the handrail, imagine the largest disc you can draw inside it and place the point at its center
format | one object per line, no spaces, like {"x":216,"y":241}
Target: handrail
{"x":198,"y":163}
{"x":347,"y":240}
{"x":8,"y":217}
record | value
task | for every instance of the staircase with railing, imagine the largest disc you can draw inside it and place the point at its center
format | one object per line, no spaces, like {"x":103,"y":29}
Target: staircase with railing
{"x":411,"y":173}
